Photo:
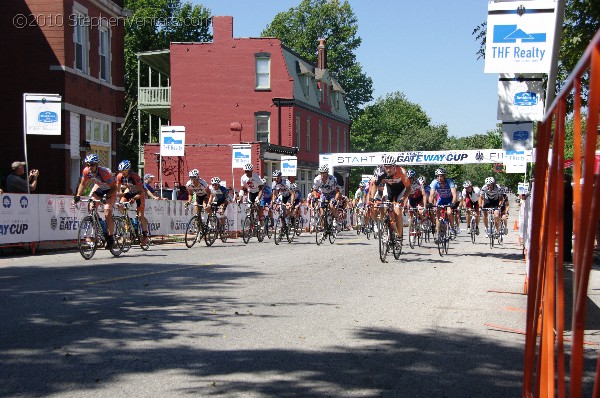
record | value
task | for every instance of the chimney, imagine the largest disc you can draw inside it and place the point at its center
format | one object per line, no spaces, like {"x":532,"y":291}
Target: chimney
{"x":222,"y":28}
{"x":322,"y":55}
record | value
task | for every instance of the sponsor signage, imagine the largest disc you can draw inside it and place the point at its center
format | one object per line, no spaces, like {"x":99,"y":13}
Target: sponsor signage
{"x":241,"y":154}
{"x":519,"y":36}
{"x":523,"y":188}
{"x":517,"y":136}
{"x":19,"y":221}
{"x":520,"y":98}
{"x":289,"y":166}
{"x":172,"y":141}
{"x":42,"y":114}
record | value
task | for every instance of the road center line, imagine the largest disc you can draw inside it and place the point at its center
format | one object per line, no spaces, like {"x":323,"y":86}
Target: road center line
{"x":145,"y":274}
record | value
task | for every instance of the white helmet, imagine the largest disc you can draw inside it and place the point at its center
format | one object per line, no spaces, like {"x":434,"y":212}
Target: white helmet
{"x":324,"y":169}
{"x":263,"y":181}
{"x":248,"y":167}
{"x":489,"y":180}
{"x":194,"y":173}
{"x":440,"y":172}
{"x":215,"y":180}
{"x":388,"y":160}
{"x":467,"y":184}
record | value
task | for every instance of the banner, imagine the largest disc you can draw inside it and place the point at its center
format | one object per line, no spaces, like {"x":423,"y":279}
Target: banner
{"x":172,"y":141}
{"x":59,"y":218}
{"x":520,"y":36}
{"x":289,"y":166}
{"x":42,"y":114}
{"x":520,"y":98}
{"x":517,"y":136}
{"x":241,"y":154}
{"x":19,"y":220}
{"x":523,"y":188}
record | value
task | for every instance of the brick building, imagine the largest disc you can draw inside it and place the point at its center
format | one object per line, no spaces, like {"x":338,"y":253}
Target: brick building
{"x":74,"y":48}
{"x":245,"y":90}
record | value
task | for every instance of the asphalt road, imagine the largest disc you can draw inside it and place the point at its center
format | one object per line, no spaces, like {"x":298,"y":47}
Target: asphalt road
{"x":261,"y":320}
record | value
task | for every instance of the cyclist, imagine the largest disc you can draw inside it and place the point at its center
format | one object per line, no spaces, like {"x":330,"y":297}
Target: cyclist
{"x":218,"y":195}
{"x":471,"y":202}
{"x":416,"y":198}
{"x":297,"y":199}
{"x":104,"y":186}
{"x":427,"y":189}
{"x":134,"y":192}
{"x":198,"y":186}
{"x":326,"y":185}
{"x":252,"y":183}
{"x":443,"y":193}
{"x":282,"y":191}
{"x":397,"y":188}
{"x":504,"y":204}
{"x":489,"y":197}
{"x":374,"y":197}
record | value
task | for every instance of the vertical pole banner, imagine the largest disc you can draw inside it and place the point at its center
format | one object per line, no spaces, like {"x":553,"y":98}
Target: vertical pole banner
{"x":289,"y":166}
{"x":42,"y":114}
{"x":241,"y":154}
{"x":172,"y":143}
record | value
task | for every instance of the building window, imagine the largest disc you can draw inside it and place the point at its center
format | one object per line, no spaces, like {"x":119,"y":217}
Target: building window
{"x":98,"y":133}
{"x":80,"y":37}
{"x":337,"y":130}
{"x":306,"y":83}
{"x":298,"y":128}
{"x":346,"y":141}
{"x":263,"y":71}
{"x":104,"y":51}
{"x":262,"y":125}
{"x":329,"y":138}
{"x":320,"y":137}
{"x":308,"y":134}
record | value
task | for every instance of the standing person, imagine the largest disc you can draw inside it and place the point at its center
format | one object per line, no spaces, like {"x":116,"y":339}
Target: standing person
{"x":134,"y":192}
{"x":149,"y":189}
{"x":15,"y":183}
{"x":104,"y":186}
{"x":443,"y":193}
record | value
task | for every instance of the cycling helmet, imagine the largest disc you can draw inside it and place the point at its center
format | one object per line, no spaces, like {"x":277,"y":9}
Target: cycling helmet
{"x":421,"y":180}
{"x":489,"y":180}
{"x":92,"y":158}
{"x":125,"y":165}
{"x":215,"y":180}
{"x":248,"y":167}
{"x":440,"y":172}
{"x":410,"y":173}
{"x":194,"y":173}
{"x":276,"y":173}
{"x":294,"y":186}
{"x":467,"y":184}
{"x":263,"y":181}
{"x":388,"y":160}
{"x":324,"y":169}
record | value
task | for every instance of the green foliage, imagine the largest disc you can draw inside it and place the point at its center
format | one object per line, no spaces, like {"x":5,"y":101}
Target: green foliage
{"x":300,"y":28}
{"x":153,"y":25}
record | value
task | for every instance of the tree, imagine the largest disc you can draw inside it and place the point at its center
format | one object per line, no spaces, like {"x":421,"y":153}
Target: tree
{"x":153,"y":25}
{"x":300,"y":28}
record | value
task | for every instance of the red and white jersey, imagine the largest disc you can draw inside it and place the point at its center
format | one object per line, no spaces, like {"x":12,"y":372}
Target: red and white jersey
{"x":251,"y":184}
{"x":202,"y":189}
{"x":103,"y":177}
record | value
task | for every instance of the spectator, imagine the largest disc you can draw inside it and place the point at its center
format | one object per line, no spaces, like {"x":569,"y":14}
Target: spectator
{"x":15,"y":183}
{"x":231,"y":194}
{"x":149,"y":189}
{"x":183,"y":193}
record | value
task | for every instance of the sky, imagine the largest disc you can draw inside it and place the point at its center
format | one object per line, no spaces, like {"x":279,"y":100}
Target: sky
{"x":424,"y":49}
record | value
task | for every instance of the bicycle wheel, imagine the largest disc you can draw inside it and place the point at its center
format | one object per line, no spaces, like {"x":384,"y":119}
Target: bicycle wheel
{"x":299,"y":226}
{"x":396,"y":243}
{"x":419,"y":232}
{"x":223,"y":229}
{"x":267,"y":226}
{"x":87,"y":237}
{"x":367,"y":229}
{"x":333,"y":231}
{"x":490,"y":230}
{"x":247,"y":230}
{"x":473,"y":229}
{"x":441,"y":238}
{"x":191,"y":232}
{"x":211,"y":230}
{"x":129,"y":234}
{"x":446,"y":242}
{"x":383,"y":239}
{"x":320,"y":234}
{"x":412,"y":232}
{"x":118,"y":236}
{"x":260,"y":230}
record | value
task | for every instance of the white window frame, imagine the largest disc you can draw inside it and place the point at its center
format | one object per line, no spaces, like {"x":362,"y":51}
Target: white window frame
{"x":81,"y":37}
{"x":308,"y":134}
{"x":266,"y":117}
{"x":298,"y":131}
{"x":258,"y":61}
{"x":107,"y":61}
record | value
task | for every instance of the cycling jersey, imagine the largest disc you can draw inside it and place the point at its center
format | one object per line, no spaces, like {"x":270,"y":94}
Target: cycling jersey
{"x":133,"y":182}
{"x":360,"y":194}
{"x":200,"y":190}
{"x":471,"y":198}
{"x":443,"y":191}
{"x":220,"y":194}
{"x":284,"y":187}
{"x":267,"y":191}
{"x":251,"y":183}
{"x":396,"y":184}
{"x":326,"y":187}
{"x":103,"y":177}
{"x":490,"y":193}
{"x":416,"y":191}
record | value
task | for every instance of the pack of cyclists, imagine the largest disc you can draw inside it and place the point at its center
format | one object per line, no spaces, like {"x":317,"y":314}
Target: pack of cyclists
{"x":390,"y":182}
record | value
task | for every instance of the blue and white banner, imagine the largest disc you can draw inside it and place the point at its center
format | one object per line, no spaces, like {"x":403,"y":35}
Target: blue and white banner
{"x":520,"y":36}
{"x":289,"y":166}
{"x":241,"y":154}
{"x":517,"y":136}
{"x":520,"y":98}
{"x":19,"y":221}
{"x":42,"y":114}
{"x":59,"y":217}
{"x":172,"y":141}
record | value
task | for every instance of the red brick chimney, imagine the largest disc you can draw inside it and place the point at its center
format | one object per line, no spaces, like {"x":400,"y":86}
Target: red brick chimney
{"x":322,"y":55}
{"x":222,"y":28}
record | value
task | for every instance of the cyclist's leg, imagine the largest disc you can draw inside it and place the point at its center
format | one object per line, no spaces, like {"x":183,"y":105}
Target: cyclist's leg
{"x":399,"y":219}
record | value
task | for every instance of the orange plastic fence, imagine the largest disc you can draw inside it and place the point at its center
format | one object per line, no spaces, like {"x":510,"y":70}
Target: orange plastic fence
{"x":545,"y":354}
